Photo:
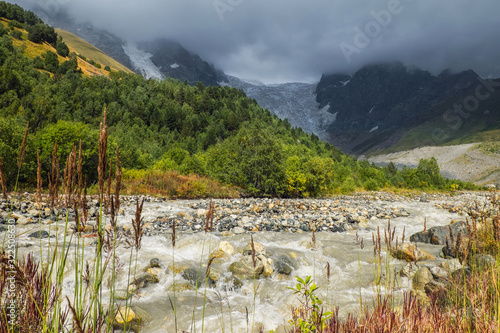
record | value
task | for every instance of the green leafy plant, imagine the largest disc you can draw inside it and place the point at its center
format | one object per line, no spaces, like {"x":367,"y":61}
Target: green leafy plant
{"x":310,"y":316}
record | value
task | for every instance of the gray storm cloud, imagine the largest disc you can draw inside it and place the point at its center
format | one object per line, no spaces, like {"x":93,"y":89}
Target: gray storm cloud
{"x":290,"y":40}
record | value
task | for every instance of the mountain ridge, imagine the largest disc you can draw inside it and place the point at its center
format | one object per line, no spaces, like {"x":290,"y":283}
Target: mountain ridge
{"x":381,"y":107}
{"x":379,"y":104}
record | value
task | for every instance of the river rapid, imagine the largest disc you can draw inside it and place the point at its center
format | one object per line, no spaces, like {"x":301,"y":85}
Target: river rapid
{"x":264,"y":302}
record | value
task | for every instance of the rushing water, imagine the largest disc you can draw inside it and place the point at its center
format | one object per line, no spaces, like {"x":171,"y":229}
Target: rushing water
{"x":265,"y":302}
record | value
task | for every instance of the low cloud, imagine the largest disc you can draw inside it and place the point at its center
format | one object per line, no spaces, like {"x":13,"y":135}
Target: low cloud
{"x":294,"y":40}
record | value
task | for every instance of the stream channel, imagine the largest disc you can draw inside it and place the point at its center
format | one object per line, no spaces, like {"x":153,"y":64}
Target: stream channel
{"x":264,"y":302}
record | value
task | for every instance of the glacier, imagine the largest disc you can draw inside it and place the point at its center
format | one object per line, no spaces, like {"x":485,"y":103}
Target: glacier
{"x":142,"y":61}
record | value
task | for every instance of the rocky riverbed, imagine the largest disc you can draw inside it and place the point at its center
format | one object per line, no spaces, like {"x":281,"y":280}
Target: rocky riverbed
{"x":285,"y":246}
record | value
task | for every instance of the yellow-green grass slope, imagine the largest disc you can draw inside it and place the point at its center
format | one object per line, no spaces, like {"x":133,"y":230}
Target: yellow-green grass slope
{"x":79,"y":46}
{"x":76,"y":45}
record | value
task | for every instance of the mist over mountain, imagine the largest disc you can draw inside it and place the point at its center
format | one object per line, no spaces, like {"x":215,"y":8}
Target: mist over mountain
{"x":297,"y":41}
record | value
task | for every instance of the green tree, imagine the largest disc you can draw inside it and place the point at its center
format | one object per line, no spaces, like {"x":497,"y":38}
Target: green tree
{"x":51,"y":62}
{"x":16,"y":34}
{"x":61,"y":48}
{"x":68,"y":134}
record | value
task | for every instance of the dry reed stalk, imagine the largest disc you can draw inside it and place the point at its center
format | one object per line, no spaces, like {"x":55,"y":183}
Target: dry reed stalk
{"x":458,"y":251}
{"x":137,"y":224}
{"x":211,"y":215}
{"x":22,"y":152}
{"x":38,"y":178}
{"x":387,"y":239}
{"x":254,"y":259}
{"x":77,"y":218}
{"x":496,"y":227}
{"x":173,"y":233}
{"x":327,"y":271}
{"x":54,"y":177}
{"x":65,"y":178}
{"x":35,"y":296}
{"x":103,"y":144}
{"x":207,"y":272}
{"x":108,"y":188}
{"x":425,"y":225}
{"x":112,"y":214}
{"x":313,"y":240}
{"x":84,"y":202}
{"x":209,"y":222}
{"x":70,"y":175}
{"x":118,"y":181}
{"x":3,"y":181}
{"x":80,"y":171}
{"x":379,"y":245}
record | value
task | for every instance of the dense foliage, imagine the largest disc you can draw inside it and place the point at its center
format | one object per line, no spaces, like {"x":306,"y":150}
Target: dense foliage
{"x":168,"y":125}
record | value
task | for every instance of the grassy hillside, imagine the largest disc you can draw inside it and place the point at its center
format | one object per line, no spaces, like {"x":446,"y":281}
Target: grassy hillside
{"x":78,"y":45}
{"x":89,"y":67}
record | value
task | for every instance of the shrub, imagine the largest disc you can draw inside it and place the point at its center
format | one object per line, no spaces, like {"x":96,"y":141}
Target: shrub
{"x":51,"y":62}
{"x":348,"y":186}
{"x":371,"y":185}
{"x":15,"y":24}
{"x":16,"y":34}
{"x":38,"y":63}
{"x":61,"y":48}
{"x":68,"y":65}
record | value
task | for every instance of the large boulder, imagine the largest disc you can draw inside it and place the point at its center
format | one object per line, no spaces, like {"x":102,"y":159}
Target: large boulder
{"x":129,"y":318}
{"x":409,"y":270}
{"x":246,"y":269}
{"x":145,"y":279}
{"x":39,"y":234}
{"x":285,"y":264}
{"x":409,"y":252}
{"x":259,"y":249}
{"x":227,"y":248}
{"x":421,"y":278}
{"x":437,"y":235}
{"x":197,"y":277}
{"x":218,"y":256}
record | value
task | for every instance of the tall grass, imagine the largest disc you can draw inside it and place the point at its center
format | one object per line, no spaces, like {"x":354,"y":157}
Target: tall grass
{"x":468,"y":301}
{"x":34,"y":292}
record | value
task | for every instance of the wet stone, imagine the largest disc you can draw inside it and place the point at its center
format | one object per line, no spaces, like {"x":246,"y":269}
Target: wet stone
{"x":39,"y":234}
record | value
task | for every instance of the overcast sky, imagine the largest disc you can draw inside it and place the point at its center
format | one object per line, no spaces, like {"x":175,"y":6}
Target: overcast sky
{"x":291,"y":40}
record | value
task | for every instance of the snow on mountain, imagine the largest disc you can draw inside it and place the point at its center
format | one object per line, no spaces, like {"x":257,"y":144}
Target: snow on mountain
{"x":142,"y":61}
{"x":293,"y":101}
{"x":176,"y":65}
